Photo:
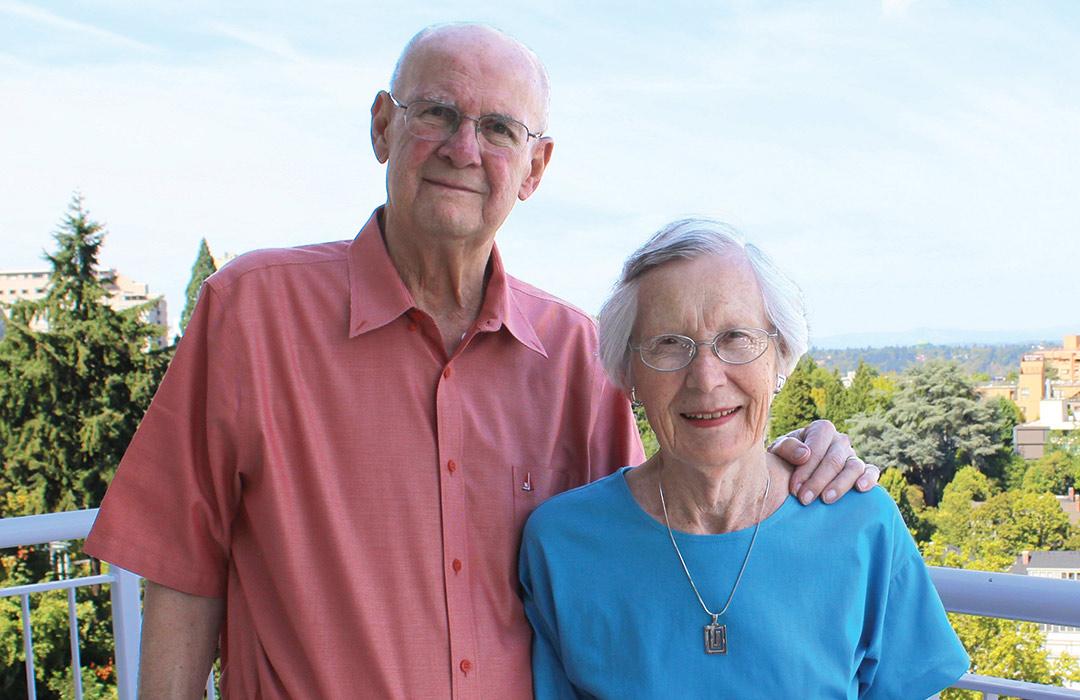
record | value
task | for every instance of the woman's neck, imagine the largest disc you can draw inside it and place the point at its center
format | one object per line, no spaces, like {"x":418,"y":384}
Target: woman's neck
{"x":711,"y":500}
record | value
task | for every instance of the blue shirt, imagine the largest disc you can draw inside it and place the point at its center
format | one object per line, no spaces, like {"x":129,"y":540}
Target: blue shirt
{"x":835,"y":603}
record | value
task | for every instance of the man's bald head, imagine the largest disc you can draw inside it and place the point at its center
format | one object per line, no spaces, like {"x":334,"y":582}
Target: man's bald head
{"x":468,"y":38}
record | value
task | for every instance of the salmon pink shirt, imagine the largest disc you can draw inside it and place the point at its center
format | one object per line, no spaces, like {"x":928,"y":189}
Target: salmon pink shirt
{"x":357,"y":497}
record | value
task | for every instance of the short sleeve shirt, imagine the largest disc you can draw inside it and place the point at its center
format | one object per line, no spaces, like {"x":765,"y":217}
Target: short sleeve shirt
{"x":314,"y":457}
{"x":615,"y":616}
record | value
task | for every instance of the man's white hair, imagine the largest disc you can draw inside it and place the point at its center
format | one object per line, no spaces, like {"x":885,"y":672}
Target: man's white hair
{"x":436,"y":29}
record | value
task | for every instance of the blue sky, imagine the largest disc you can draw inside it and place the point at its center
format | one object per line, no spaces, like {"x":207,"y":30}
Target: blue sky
{"x":911,"y":164}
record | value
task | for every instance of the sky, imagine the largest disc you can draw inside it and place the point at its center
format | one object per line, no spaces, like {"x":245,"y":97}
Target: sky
{"x":911,"y":164}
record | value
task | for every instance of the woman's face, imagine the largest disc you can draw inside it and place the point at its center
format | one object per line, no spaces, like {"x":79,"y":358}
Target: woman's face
{"x":709,"y":414}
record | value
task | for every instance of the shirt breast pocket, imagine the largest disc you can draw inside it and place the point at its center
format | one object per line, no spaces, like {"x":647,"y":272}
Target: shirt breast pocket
{"x":534,"y":485}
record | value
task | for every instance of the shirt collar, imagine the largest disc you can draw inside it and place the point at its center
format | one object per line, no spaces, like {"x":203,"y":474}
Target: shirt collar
{"x":377,"y":294}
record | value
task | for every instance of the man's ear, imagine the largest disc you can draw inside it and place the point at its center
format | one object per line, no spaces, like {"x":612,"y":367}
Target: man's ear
{"x":382,"y":109}
{"x":541,"y":154}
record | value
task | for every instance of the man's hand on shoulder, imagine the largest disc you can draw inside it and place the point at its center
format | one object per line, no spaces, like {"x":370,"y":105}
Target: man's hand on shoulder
{"x":825,"y":463}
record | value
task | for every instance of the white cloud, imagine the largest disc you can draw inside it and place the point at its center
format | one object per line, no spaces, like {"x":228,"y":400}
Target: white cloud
{"x":55,"y":21}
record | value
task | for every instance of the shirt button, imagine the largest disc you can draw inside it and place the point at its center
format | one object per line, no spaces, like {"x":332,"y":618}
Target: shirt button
{"x":412,"y":325}
{"x":446,"y":373}
{"x":457,"y":565}
{"x":451,"y":466}
{"x":465,"y":666}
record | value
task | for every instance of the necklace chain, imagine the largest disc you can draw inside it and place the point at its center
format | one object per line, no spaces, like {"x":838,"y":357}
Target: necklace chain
{"x":746,"y":557}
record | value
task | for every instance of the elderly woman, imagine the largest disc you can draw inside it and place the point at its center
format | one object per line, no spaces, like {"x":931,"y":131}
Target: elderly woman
{"x":694,"y":575}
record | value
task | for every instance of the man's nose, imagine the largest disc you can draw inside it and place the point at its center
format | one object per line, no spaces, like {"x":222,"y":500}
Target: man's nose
{"x":463,"y":147}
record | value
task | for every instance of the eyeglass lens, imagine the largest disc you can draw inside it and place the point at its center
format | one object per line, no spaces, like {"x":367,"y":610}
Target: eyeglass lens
{"x":736,"y":346}
{"x":437,"y":122}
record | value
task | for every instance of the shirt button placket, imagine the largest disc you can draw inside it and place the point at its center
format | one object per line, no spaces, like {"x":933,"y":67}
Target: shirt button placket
{"x":454,"y":529}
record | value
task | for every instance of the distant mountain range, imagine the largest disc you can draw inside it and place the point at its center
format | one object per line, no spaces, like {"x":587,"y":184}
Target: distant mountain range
{"x":938,"y":336}
{"x":993,"y":353}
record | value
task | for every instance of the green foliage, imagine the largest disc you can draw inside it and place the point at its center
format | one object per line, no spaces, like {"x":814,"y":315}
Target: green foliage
{"x":870,"y":392}
{"x":1008,"y":416}
{"x":893,"y":481}
{"x":954,"y":512}
{"x":999,"y":359}
{"x":648,"y":437}
{"x":1013,"y":473}
{"x":1004,"y":648}
{"x":1067,"y":441}
{"x":71,"y":396}
{"x":204,"y":267}
{"x":1013,"y":521}
{"x":935,"y":423}
{"x":1054,"y":473}
{"x":794,"y":407}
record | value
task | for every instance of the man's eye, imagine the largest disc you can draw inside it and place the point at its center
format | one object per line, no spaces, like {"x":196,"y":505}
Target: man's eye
{"x":501,"y":129}
{"x":438,"y":112}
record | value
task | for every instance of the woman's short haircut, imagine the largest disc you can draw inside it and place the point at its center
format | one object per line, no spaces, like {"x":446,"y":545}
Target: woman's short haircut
{"x":688,"y":239}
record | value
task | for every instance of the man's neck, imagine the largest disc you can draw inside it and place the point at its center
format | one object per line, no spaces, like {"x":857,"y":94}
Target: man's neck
{"x":446,"y":279}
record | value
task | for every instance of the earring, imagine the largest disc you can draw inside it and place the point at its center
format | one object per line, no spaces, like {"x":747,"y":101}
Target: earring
{"x":780,"y":379}
{"x":633,"y":397}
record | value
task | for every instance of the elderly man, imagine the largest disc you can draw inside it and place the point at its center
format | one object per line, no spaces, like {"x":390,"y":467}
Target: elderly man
{"x":335,"y":471}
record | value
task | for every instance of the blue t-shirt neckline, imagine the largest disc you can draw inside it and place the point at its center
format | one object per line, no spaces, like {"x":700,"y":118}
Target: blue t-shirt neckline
{"x":789,"y":506}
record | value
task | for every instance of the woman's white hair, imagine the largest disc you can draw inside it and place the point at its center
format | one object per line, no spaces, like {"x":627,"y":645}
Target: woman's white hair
{"x":688,"y":239}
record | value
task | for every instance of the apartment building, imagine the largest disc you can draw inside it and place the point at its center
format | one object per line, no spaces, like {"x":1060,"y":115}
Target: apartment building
{"x":1061,"y":565}
{"x":1051,"y":374}
{"x":123,"y":293}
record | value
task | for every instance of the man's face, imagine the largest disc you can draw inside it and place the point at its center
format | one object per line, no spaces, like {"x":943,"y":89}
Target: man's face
{"x":461,"y":188}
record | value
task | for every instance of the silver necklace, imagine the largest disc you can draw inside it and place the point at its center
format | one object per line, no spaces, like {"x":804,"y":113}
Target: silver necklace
{"x":715,"y":633}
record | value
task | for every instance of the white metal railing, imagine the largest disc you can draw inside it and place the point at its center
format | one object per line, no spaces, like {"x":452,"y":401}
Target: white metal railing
{"x":124,"y":592}
{"x":1010,"y":596}
{"x":1014,"y":597}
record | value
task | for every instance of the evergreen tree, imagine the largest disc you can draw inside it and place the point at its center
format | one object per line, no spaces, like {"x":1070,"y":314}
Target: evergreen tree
{"x":864,"y":395}
{"x":794,"y":407}
{"x":71,"y":395}
{"x":894,"y":482}
{"x":204,"y":267}
{"x":935,"y":424}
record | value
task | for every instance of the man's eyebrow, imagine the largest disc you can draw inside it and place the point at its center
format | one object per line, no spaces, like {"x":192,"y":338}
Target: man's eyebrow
{"x":430,"y":97}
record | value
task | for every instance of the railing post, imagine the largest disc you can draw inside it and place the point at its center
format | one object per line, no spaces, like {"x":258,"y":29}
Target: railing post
{"x":127,"y":631}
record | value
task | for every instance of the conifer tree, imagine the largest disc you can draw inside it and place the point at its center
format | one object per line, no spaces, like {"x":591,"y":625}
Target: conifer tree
{"x":934,"y":425}
{"x":71,"y":394}
{"x":204,"y":267}
{"x":794,"y":407}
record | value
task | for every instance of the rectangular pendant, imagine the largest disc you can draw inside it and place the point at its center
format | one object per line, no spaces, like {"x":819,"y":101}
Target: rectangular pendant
{"x":715,"y":638}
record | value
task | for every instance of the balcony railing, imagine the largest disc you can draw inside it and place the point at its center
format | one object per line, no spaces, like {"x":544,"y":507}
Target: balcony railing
{"x":1049,"y":601}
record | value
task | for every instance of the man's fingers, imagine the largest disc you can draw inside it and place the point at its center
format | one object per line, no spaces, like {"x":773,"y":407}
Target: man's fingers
{"x":790,"y":449}
{"x":869,"y":478}
{"x":818,"y":479}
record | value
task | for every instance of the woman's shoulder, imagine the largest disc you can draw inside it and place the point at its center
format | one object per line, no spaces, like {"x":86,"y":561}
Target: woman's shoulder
{"x":567,"y":509}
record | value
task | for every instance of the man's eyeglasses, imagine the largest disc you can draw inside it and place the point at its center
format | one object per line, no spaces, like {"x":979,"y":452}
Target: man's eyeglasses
{"x":736,"y":346}
{"x":435,"y":121}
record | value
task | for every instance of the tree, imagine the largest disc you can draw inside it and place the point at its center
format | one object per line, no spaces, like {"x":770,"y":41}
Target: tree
{"x":1054,"y":472}
{"x":953,"y":517}
{"x":204,"y":267}
{"x":794,"y":407}
{"x":935,"y":424}
{"x":901,"y":491}
{"x":866,"y":394}
{"x":71,"y":395}
{"x":1013,"y":521}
